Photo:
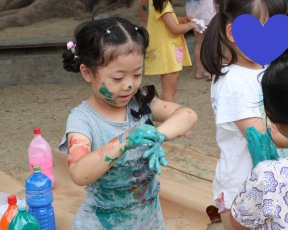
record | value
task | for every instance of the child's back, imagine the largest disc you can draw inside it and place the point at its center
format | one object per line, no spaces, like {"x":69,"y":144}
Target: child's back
{"x":167,"y":52}
{"x":236,"y":96}
{"x":164,"y":46}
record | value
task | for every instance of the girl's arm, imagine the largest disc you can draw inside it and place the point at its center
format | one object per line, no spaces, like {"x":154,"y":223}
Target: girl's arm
{"x":176,"y":121}
{"x":176,"y":28}
{"x":85,"y":166}
{"x":279,"y":140}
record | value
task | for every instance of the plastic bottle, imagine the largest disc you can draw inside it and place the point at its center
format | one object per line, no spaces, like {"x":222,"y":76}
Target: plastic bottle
{"x":10,"y":212}
{"x":39,"y":197}
{"x":40,"y":154}
{"x":24,"y":220}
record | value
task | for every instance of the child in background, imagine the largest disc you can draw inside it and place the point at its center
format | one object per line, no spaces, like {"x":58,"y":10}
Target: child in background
{"x":201,"y":10}
{"x":167,"y":52}
{"x":235,"y":96}
{"x":262,"y":203}
{"x":112,"y":147}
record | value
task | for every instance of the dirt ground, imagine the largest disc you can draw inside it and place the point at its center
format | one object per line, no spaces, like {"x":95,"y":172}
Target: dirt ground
{"x":26,"y":106}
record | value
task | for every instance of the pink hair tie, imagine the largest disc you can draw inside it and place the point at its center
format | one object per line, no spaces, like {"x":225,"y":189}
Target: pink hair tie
{"x":71,"y":46}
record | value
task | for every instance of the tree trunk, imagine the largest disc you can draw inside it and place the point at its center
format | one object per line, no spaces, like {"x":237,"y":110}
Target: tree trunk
{"x":25,"y":12}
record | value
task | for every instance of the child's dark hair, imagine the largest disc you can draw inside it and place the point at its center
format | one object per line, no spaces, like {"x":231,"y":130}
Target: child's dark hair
{"x":215,"y":41}
{"x":275,"y":90}
{"x":98,"y":42}
{"x":159,"y":5}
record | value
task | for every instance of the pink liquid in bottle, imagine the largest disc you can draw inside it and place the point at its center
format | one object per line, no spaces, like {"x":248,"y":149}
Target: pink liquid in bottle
{"x":40,"y":154}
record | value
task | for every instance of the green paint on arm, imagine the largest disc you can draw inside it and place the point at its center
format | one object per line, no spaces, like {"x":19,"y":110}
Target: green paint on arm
{"x":110,"y":160}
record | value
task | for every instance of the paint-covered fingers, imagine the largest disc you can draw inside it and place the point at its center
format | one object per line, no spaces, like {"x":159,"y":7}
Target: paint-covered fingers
{"x":156,"y":157}
{"x":163,"y":161}
{"x":154,"y":164}
{"x":143,"y":135}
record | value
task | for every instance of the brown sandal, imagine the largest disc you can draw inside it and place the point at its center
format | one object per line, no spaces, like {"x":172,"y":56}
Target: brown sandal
{"x":213,"y":214}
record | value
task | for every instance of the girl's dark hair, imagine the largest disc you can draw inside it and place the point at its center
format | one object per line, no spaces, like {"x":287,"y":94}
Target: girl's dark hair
{"x":159,"y":5}
{"x":215,"y":42}
{"x":275,"y":90}
{"x":98,"y":42}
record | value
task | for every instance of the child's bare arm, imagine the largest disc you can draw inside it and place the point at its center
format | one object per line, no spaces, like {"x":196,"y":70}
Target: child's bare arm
{"x":176,"y":121}
{"x":278,"y":138}
{"x":85,"y":166}
{"x":176,"y":28}
{"x":183,"y":20}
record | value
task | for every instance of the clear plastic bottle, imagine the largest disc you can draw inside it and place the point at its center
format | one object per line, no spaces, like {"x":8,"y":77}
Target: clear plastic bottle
{"x":39,"y":197}
{"x":40,"y":154}
{"x":24,"y":220}
{"x":10,"y":212}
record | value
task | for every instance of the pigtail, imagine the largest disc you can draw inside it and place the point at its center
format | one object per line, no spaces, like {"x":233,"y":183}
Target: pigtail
{"x":145,"y":36}
{"x":144,"y":96}
{"x":211,"y":51}
{"x":215,"y":44}
{"x":71,"y":61}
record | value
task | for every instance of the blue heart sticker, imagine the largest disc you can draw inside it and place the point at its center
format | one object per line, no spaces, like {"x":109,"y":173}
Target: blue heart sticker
{"x":262,"y":44}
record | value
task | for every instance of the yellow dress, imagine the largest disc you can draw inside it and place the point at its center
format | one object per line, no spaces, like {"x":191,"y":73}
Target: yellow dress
{"x":167,"y":52}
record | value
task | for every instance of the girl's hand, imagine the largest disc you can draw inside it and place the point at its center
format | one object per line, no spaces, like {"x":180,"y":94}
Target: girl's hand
{"x":148,"y":135}
{"x":156,"y":157}
{"x":194,"y":26}
{"x":261,"y":146}
{"x":141,"y":135}
{"x":201,"y":25}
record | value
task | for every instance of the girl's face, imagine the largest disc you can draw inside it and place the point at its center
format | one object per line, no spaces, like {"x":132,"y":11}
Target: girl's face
{"x":116,"y":83}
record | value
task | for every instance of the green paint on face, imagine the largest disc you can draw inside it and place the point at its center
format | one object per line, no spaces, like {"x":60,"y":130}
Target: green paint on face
{"x":107,"y":94}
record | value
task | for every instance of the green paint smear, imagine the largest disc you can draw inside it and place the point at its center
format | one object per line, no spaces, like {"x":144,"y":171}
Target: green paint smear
{"x":110,"y":160}
{"x":107,"y":94}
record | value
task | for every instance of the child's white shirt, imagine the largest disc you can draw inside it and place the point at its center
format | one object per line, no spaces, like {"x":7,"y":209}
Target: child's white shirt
{"x":235,"y":96}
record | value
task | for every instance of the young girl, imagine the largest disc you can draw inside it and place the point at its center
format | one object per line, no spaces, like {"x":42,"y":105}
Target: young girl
{"x":262,"y":203}
{"x":235,"y":96}
{"x":167,"y":52}
{"x":112,"y":147}
{"x":205,"y":10}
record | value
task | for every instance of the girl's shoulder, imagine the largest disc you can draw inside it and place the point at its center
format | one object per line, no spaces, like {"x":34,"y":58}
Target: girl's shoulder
{"x":82,"y":108}
{"x":236,"y":73}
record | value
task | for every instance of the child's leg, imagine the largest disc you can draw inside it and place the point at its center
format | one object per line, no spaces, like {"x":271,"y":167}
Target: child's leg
{"x":199,"y":70}
{"x":226,"y":220}
{"x":169,"y":84}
